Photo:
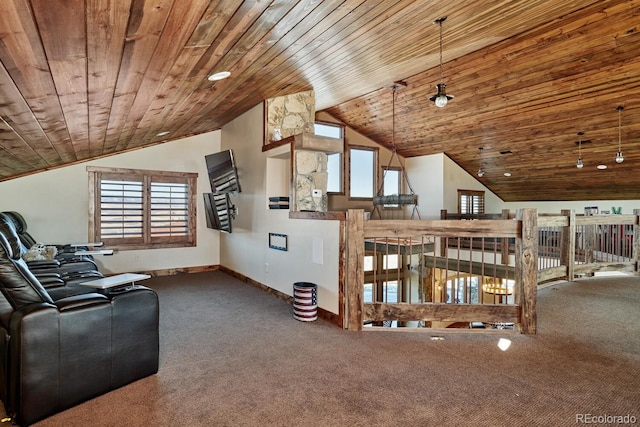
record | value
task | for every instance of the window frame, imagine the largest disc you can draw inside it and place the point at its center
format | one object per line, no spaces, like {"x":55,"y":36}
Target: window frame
{"x":471,"y":194}
{"x":374,"y":168}
{"x":341,"y":155}
{"x":146,"y":177}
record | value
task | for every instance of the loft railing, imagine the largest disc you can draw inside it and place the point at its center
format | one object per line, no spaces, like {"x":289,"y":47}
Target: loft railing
{"x":437,"y":283}
{"x":599,"y":243}
{"x":475,"y":270}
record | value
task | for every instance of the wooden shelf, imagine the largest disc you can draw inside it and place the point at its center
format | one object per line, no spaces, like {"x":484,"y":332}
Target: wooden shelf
{"x":313,"y":142}
{"x":275,"y":144}
{"x":341,"y":216}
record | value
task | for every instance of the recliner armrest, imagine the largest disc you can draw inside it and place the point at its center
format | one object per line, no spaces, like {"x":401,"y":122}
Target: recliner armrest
{"x":79,"y":301}
{"x":49,"y":280}
{"x":43,"y":264}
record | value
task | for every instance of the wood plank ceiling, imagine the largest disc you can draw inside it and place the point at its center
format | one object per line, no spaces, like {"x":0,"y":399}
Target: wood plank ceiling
{"x":82,"y":79}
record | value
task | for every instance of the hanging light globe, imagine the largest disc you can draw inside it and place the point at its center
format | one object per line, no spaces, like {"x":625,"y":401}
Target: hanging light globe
{"x":440,"y":98}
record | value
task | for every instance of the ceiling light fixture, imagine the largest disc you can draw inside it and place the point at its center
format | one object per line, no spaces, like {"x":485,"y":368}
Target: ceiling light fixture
{"x":602,"y":167}
{"x":163,"y":133}
{"x":619,"y":157}
{"x":579,"y":165}
{"x":441,"y":98}
{"x":218,"y":76}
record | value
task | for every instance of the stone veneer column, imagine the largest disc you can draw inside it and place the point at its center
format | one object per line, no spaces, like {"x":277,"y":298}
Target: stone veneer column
{"x":310,"y":174}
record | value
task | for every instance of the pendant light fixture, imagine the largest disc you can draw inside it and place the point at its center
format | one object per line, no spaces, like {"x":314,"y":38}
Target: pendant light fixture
{"x":619,"y":157}
{"x":394,"y":200}
{"x":480,"y":170}
{"x":579,"y":165}
{"x":441,"y":98}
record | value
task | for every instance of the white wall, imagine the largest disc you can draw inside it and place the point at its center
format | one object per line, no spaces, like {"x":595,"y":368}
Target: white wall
{"x":313,"y":249}
{"x":555,"y":207}
{"x":426,"y":176}
{"x":456,"y":178}
{"x":55,"y":204}
{"x":436,"y":180}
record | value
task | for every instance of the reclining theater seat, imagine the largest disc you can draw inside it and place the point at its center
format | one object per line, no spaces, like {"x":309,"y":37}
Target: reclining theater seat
{"x":55,"y":354}
{"x":65,"y":263}
{"x":65,"y":250}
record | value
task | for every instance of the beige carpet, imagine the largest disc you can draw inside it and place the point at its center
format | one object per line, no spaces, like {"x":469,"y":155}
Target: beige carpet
{"x":232,"y":355}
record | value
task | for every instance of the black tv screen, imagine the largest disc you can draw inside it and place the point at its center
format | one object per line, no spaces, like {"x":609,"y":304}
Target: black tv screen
{"x":222,"y":171}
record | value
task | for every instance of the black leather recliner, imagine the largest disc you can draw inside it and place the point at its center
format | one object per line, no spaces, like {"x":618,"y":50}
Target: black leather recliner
{"x":55,"y":354}
{"x":66,"y":251}
{"x":66,"y":259}
{"x":66,"y":269}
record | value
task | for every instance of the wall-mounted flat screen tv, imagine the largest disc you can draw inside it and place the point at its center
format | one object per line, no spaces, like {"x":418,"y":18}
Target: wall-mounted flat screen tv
{"x":219,"y":211}
{"x":222,"y":171}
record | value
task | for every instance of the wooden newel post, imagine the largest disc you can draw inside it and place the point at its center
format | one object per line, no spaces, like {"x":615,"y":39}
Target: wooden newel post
{"x":355,"y":268}
{"x":527,"y":269}
{"x":443,"y":240}
{"x":568,"y":246}
{"x":505,"y":242}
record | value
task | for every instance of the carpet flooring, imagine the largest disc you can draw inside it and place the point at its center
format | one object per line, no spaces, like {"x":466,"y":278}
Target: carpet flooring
{"x":232,"y":355}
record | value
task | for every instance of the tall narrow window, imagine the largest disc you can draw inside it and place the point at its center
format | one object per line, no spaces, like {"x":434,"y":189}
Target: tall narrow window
{"x":470,"y":202}
{"x":362,"y":166}
{"x":335,"y":163}
{"x":138,"y":209}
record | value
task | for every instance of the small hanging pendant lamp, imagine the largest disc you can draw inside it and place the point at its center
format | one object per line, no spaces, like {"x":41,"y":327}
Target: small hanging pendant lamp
{"x":441,"y":98}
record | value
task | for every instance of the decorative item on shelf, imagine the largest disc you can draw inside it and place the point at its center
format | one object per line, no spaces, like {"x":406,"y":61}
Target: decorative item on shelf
{"x":441,"y":98}
{"x":279,"y":202}
{"x":277,"y":135}
{"x":590,"y":210}
{"x":579,"y":164}
{"x":619,"y":157}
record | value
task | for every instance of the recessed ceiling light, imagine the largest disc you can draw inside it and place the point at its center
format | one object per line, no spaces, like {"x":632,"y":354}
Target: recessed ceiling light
{"x":163,"y":133}
{"x":219,"y":76}
{"x":507,"y":174}
{"x":602,"y":167}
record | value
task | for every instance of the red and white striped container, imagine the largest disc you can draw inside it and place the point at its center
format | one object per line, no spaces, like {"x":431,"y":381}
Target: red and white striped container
{"x":305,"y":301}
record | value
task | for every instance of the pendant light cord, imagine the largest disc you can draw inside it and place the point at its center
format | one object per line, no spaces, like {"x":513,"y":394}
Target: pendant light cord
{"x":620,"y":128}
{"x":440,"y":22}
{"x":579,"y":146}
{"x":394,"y":152}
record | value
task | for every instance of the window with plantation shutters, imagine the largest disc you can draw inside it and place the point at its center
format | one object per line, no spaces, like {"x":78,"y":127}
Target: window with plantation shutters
{"x":137,"y":209}
{"x":169,"y":212}
{"x":121,"y":209}
{"x":470,"y":202}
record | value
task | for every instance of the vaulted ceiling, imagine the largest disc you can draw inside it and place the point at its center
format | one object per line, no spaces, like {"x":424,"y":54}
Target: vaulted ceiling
{"x":82,"y":79}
